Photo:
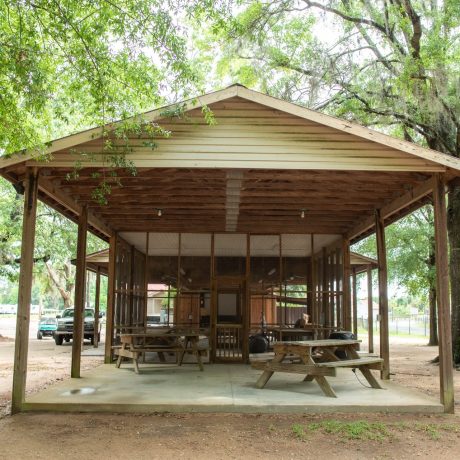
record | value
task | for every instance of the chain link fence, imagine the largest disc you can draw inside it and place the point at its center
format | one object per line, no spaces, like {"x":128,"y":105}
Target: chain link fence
{"x":401,"y":325}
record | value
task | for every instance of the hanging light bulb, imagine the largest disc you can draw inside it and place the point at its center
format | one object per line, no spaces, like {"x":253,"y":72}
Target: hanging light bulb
{"x":302,"y":213}
{"x":159,"y":213}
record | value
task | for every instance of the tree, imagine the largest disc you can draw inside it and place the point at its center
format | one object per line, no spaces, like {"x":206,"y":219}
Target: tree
{"x":411,"y":259}
{"x":391,"y":64}
{"x":68,"y":65}
{"x":56,"y":245}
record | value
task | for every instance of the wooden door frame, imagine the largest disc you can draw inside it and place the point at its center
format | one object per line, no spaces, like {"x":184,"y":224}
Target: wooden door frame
{"x":230,"y":283}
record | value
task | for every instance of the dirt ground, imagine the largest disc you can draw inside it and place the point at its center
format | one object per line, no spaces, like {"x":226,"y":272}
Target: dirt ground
{"x":47,"y":362}
{"x":224,"y":436}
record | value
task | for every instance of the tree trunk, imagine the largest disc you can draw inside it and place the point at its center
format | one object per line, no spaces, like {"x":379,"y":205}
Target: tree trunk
{"x":65,"y":294}
{"x":432,"y":293}
{"x":454,"y":243}
{"x":40,"y":305}
{"x":433,"y":318}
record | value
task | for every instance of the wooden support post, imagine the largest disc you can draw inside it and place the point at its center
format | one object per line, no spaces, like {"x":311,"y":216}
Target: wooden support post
{"x":80,"y":287}
{"x":320,"y":270}
{"x":383,"y":295}
{"x":370,"y":311}
{"x":191,"y":311}
{"x":355,"y":303}
{"x":338,"y":288}
{"x":443,"y":298}
{"x":25,"y":291}
{"x":346,"y":304}
{"x":146,"y":278}
{"x":333,"y":289}
{"x":110,"y":301}
{"x":96,"y":307}
{"x":131,"y":318}
{"x":179,"y":256}
{"x":87,"y":288}
{"x":281,"y":283}
{"x":213,"y":315}
{"x":309,"y":288}
{"x":325,"y":296}
{"x":314,"y":281}
{"x":247,"y":302}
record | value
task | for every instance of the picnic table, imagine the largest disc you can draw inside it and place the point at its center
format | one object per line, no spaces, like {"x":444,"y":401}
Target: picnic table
{"x":316,"y":359}
{"x":280,"y":333}
{"x":311,"y":331}
{"x":161,"y":340}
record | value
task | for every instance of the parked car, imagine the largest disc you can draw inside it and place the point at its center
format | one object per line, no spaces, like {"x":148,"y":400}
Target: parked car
{"x":46,"y":327}
{"x":64,"y":330}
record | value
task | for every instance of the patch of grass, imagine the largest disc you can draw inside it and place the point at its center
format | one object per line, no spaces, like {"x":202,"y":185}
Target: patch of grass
{"x":430,"y":429}
{"x":434,"y":430}
{"x":361,"y":429}
{"x":401,"y":425}
{"x":371,"y":431}
{"x":299,"y":432}
{"x":449,"y":427}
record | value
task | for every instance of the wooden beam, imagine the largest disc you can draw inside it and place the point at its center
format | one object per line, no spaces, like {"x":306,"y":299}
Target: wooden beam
{"x":282,"y":285}
{"x":442,"y":295}
{"x":47,"y":187}
{"x":383,"y":295}
{"x":310,"y":293}
{"x":80,"y":286}
{"x":130,"y":305}
{"x":110,"y":300}
{"x":339,"y":287}
{"x":314,"y":281}
{"x":299,"y":161}
{"x":395,"y":206}
{"x":346,"y":305}
{"x":355,"y":303}
{"x":324,"y":286}
{"x":25,"y":291}
{"x":96,"y":307}
{"x":213,"y":306}
{"x":146,"y":276}
{"x":247,"y":302}
{"x":370,"y":311}
{"x":332,"y":297}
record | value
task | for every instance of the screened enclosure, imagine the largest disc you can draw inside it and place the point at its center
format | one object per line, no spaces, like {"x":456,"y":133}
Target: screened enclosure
{"x":228,"y":285}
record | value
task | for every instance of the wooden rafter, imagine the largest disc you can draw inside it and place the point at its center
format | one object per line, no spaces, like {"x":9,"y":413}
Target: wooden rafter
{"x":263,"y":200}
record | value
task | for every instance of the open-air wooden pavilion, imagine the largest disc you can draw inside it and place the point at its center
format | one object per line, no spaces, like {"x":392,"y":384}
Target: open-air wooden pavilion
{"x":236,"y":222}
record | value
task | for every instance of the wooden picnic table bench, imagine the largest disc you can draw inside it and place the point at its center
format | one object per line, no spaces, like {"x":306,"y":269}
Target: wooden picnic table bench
{"x":133,"y":345}
{"x":318,"y":361}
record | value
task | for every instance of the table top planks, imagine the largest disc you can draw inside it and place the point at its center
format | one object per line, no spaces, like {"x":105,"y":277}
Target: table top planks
{"x":317,"y":343}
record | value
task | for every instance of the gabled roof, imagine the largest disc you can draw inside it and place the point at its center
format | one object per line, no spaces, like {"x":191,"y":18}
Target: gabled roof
{"x":259,"y":98}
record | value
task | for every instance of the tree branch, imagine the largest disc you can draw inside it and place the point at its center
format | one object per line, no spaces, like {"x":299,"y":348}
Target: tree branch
{"x":375,"y":25}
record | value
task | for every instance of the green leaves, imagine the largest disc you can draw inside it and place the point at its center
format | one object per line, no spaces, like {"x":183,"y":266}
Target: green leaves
{"x":410,"y":252}
{"x":383,"y":64}
{"x":72,"y":64}
{"x":55,"y":243}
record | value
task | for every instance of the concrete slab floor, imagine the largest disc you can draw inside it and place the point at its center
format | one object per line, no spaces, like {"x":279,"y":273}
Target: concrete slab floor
{"x":221,"y":388}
